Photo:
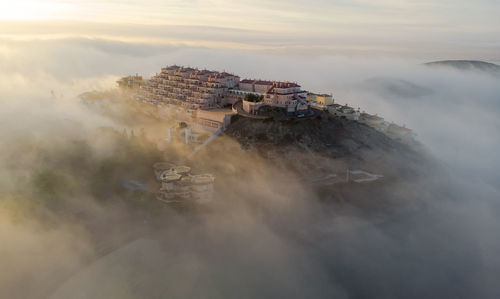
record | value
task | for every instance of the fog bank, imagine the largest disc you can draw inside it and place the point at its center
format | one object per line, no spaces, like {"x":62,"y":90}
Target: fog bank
{"x":264,"y":236}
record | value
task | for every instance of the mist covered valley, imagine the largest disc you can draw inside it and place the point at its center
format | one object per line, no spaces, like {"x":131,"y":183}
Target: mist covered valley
{"x":70,"y":229}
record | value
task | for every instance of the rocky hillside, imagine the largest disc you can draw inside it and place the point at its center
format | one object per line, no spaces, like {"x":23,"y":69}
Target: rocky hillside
{"x":331,"y":136}
{"x":325,"y":143}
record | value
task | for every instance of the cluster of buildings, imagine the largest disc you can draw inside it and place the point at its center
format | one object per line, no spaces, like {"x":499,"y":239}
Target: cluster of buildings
{"x":179,"y":185}
{"x":321,"y":101}
{"x":188,"y":87}
{"x":195,"y":90}
{"x":201,"y":96}
{"x":287,"y":96}
{"x":131,"y":82}
{"x":379,"y":123}
{"x":198,"y":98}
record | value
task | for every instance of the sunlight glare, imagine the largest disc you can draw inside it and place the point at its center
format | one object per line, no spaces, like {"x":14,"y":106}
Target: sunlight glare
{"x":31,"y":10}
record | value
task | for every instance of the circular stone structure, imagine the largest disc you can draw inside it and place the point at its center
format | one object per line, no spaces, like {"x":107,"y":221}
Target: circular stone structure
{"x":203,"y":179}
{"x":169,"y":176}
{"x":181,"y":169}
{"x":160,"y":167}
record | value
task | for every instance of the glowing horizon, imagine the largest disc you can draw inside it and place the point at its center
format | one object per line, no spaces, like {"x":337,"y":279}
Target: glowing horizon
{"x":453,"y":27}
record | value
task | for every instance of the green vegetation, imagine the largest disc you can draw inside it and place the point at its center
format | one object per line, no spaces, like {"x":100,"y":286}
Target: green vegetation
{"x":121,"y":107}
{"x":250,"y":97}
{"x":63,"y":172}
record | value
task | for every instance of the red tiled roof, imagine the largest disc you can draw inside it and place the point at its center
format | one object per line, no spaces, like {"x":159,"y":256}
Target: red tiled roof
{"x":271,"y":91}
{"x":205,"y":72}
{"x":278,"y":84}
{"x":289,"y":84}
{"x":262,"y":82}
{"x":247,"y":81}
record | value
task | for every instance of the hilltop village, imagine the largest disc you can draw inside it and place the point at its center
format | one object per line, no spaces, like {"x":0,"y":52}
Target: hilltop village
{"x":207,"y":100}
{"x":203,"y":104}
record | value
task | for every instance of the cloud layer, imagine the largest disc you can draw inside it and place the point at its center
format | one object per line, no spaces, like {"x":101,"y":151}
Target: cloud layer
{"x":265,"y":236}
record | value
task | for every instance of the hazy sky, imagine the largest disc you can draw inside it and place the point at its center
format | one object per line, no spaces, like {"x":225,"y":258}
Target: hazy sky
{"x":430,"y":29}
{"x":272,"y":239}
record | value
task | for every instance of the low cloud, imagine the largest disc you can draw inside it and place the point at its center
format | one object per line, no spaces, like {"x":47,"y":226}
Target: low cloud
{"x":268,"y":233}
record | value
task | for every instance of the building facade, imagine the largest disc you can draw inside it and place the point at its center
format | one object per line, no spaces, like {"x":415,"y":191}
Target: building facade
{"x":320,"y":99}
{"x":188,"y":87}
{"x":130,"y":82}
{"x":197,"y":90}
{"x":285,"y":95}
{"x":274,"y":92}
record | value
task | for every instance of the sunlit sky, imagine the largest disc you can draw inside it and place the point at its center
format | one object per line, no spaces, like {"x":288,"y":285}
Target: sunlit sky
{"x":391,"y":25}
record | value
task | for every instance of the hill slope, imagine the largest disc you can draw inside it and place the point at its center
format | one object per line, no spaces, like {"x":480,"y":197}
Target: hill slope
{"x":394,"y":87}
{"x":325,"y":143}
{"x":468,"y":65}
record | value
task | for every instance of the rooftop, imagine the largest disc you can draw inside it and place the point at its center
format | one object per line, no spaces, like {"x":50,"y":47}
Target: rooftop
{"x":319,"y":94}
{"x":278,"y":84}
{"x":162,"y":166}
{"x":170,"y":176}
{"x":202,"y":179}
{"x":247,"y":81}
{"x":263,"y":82}
{"x":183,"y":69}
{"x":181,"y":169}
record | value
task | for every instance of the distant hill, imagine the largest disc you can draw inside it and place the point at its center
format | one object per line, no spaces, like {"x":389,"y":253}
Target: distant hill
{"x":468,"y":65}
{"x":395,"y":87}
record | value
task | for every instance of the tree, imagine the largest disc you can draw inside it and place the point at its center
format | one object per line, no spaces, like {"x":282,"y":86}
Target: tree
{"x":250,"y":97}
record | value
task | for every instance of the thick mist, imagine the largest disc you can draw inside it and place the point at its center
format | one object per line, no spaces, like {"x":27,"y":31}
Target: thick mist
{"x":68,"y":230}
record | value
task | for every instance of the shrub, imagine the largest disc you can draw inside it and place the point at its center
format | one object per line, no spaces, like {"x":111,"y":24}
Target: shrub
{"x":250,"y":97}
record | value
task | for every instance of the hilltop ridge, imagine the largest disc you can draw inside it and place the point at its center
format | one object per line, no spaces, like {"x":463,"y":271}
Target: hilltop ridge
{"x":326,"y":142}
{"x":467,"y":65}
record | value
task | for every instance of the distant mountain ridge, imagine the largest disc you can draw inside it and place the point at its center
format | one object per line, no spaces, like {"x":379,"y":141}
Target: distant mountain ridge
{"x":395,"y":87}
{"x":467,"y":65}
